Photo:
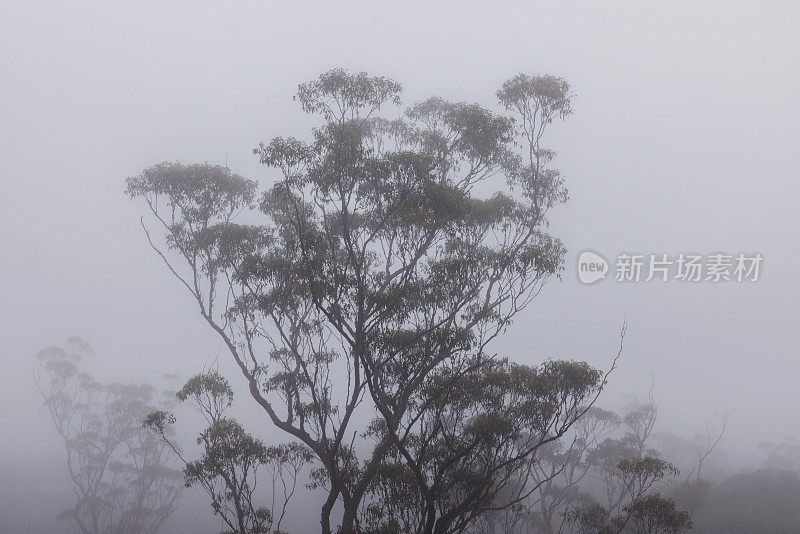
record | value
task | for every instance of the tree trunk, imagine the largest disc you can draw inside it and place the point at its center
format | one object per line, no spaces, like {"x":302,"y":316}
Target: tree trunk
{"x":547,"y":518}
{"x":327,"y":507}
{"x":349,"y":520}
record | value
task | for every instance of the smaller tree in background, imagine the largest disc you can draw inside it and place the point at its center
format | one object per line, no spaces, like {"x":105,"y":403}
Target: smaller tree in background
{"x":628,"y":469}
{"x":560,"y":469}
{"x":692,"y":491}
{"x":231,"y":459}
{"x":639,"y":510}
{"x":122,"y":478}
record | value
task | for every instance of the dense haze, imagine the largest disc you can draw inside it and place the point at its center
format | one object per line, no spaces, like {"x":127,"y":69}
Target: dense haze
{"x":683,"y":139}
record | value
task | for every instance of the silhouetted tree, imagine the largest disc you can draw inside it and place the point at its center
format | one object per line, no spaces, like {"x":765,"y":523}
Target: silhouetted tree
{"x":393,"y":251}
{"x":122,"y":477}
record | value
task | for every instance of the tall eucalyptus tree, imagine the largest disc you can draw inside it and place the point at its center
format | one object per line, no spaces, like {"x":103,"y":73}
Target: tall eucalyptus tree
{"x":370,"y":277}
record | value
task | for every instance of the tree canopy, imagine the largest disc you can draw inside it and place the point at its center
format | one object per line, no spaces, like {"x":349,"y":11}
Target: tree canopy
{"x":370,"y":277}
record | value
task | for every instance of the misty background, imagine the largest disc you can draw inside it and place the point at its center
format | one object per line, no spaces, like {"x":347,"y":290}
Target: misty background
{"x":683,"y":139}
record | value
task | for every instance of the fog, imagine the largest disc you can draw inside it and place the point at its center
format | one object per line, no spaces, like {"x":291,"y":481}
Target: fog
{"x":683,"y":139}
